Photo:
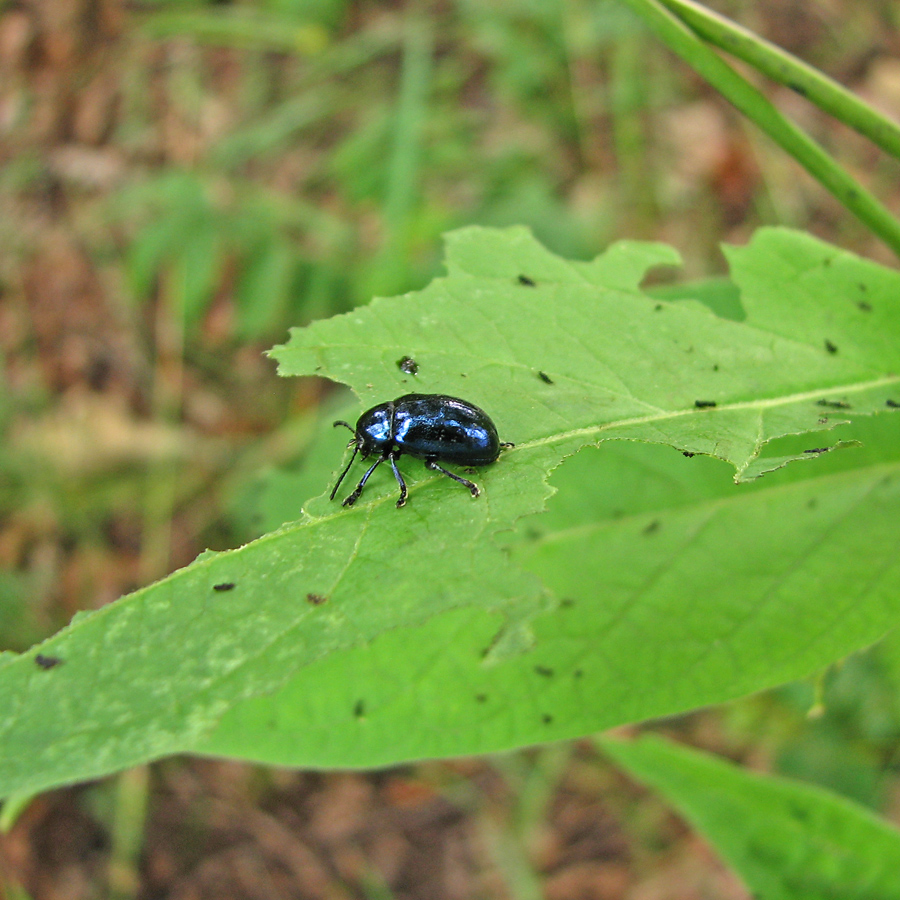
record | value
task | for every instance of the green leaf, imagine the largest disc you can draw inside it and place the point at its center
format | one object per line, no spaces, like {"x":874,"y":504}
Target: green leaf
{"x":788,"y":841}
{"x":672,"y":589}
{"x":651,"y":584}
{"x":623,"y":365}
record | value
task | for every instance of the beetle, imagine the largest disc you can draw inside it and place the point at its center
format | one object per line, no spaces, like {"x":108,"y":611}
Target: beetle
{"x":430,"y":427}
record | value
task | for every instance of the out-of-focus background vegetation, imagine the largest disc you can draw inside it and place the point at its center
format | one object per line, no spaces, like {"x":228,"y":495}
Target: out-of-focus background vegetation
{"x":181,"y":182}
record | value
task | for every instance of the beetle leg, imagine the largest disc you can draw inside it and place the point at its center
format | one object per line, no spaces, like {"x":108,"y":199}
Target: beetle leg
{"x":504,"y":445}
{"x":362,"y":483}
{"x":393,"y":458}
{"x":335,"y":489}
{"x":431,"y":464}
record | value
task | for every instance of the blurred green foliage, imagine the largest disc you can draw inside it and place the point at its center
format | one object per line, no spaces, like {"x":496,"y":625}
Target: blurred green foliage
{"x":357,"y":137}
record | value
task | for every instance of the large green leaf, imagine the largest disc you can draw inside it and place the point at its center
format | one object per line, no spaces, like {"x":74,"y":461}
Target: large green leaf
{"x":653,"y":584}
{"x":672,"y":588}
{"x":788,"y":841}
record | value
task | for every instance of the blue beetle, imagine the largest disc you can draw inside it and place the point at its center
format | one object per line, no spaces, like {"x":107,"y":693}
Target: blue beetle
{"x":427,"y":426}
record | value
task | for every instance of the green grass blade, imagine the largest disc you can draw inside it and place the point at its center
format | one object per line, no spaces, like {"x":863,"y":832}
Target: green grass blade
{"x":787,"y":69}
{"x":412,"y":113}
{"x":403,"y":171}
{"x":684,"y":42}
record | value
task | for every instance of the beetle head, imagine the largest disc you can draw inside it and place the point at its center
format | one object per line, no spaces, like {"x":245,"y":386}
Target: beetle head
{"x":374,"y":429}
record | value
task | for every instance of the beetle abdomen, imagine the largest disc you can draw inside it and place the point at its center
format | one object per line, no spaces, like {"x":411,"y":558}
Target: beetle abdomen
{"x":445,"y":428}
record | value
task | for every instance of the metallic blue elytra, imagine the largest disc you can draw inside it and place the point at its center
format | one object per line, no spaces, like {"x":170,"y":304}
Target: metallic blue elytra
{"x":431,"y":427}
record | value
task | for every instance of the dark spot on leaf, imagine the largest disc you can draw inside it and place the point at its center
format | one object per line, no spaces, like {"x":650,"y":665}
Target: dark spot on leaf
{"x":864,"y":305}
{"x":481,"y":698}
{"x":818,"y":450}
{"x":566,"y":602}
{"x":797,"y":88}
{"x":893,"y":404}
{"x":688,"y":454}
{"x":525,"y":281}
{"x":833,"y":404}
{"x":316,"y":599}
{"x":704,"y":404}
{"x":546,"y":718}
{"x":533,"y":534}
{"x":831,"y":348}
{"x":48,"y":662}
{"x":652,"y":527}
{"x":359,"y":709}
{"x":715,"y":367}
{"x":801,"y":813}
{"x":658,"y":308}
{"x":545,"y":378}
{"x":544,"y":671}
{"x":812,"y":503}
{"x":409,"y":365}
{"x":224,"y":586}
{"x":578,"y":673}
{"x":827,"y":261}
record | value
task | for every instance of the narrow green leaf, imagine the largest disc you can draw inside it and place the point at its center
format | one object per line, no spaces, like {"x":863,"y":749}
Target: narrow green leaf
{"x":788,"y":841}
{"x":241,"y":27}
{"x":275,"y":131}
{"x":152,"y":247}
{"x":12,"y":808}
{"x":261,"y":290}
{"x":195,"y":271}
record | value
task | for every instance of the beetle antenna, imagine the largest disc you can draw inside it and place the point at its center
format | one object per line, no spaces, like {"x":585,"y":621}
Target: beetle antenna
{"x":355,"y":451}
{"x":345,"y":424}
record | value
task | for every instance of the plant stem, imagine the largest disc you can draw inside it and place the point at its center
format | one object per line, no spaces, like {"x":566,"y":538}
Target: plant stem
{"x":683,"y":41}
{"x":132,"y":791}
{"x":161,"y":488}
{"x":786,"y":69}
